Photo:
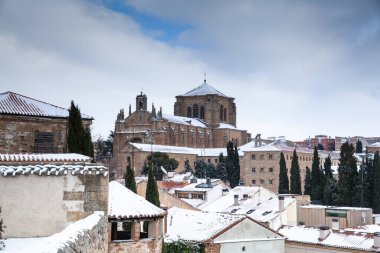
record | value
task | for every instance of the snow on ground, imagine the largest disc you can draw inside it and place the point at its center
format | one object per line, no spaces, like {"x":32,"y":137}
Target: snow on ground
{"x":123,"y":203}
{"x":52,"y":243}
{"x":195,"y":225}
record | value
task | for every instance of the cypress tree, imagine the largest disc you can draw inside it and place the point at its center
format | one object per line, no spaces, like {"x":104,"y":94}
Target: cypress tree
{"x":359,"y":147}
{"x":283,"y":185}
{"x":88,"y":145}
{"x":76,"y":133}
{"x":368,"y":181}
{"x":308,"y":182}
{"x":236,"y":170}
{"x":316,"y":177}
{"x":330,"y":192}
{"x":130,"y":182}
{"x":295,"y":176}
{"x":230,"y":162}
{"x":151,"y":190}
{"x":327,"y":167}
{"x":221,"y":168}
{"x":376,"y":183}
{"x":347,"y":170}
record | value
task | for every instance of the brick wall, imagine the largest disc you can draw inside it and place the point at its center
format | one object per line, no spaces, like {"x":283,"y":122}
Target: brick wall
{"x":142,"y":246}
{"x":212,"y":248}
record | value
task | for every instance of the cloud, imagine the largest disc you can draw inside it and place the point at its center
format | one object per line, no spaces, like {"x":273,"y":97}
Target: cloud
{"x":296,"y":68}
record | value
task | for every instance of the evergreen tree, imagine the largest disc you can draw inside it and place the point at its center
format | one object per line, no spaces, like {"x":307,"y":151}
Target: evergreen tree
{"x":151,"y":190}
{"x":88,"y":145}
{"x":158,"y":159}
{"x":200,"y":169}
{"x":230,"y":161}
{"x":327,"y":167}
{"x":368,"y":181}
{"x":376,"y":183}
{"x":316,"y":177}
{"x":236,"y":171}
{"x":295,"y":176}
{"x":359,"y":147}
{"x":221,"y":168}
{"x":308,"y":182}
{"x":188,"y":167}
{"x":130,"y":182}
{"x":330,"y":192}
{"x":211,"y":171}
{"x":357,"y":191}
{"x":347,"y":170}
{"x":76,"y":133}
{"x":283,"y":185}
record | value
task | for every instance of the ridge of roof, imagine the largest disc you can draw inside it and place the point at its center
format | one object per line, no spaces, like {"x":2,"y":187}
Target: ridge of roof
{"x":204,"y":89}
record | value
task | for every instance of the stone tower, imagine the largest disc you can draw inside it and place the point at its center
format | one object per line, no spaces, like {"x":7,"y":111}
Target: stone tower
{"x":141,"y":102}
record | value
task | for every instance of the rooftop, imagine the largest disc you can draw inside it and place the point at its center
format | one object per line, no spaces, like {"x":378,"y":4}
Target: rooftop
{"x":184,"y":120}
{"x":203,"y":89}
{"x":67,"y":157}
{"x":125,"y":204}
{"x":16,"y":104}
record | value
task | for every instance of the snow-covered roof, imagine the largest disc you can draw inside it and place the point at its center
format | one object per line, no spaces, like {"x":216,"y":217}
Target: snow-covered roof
{"x":374,"y":145}
{"x":309,"y":235}
{"x":125,"y":204}
{"x":260,"y":203}
{"x":52,"y":170}
{"x":13,"y":103}
{"x":278,"y":145}
{"x":56,"y":242}
{"x":226,"y":126}
{"x":192,"y":187}
{"x":337,"y":207}
{"x":197,"y":226}
{"x":67,"y":157}
{"x":203,"y":89}
{"x":184,"y":120}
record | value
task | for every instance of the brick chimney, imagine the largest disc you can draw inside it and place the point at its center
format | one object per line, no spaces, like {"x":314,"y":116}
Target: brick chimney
{"x":236,"y":199}
{"x":280,"y":203}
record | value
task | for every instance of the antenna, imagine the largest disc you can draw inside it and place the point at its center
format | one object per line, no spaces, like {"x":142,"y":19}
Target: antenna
{"x":205,"y":77}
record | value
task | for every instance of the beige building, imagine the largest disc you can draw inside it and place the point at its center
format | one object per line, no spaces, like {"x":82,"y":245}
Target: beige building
{"x":28,"y":125}
{"x":203,"y":118}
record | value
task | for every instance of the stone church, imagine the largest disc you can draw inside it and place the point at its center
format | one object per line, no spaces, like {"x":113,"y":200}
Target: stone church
{"x":203,"y":118}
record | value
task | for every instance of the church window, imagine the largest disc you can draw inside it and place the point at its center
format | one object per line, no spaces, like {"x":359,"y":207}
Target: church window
{"x":221,"y":113}
{"x":195,"y":111}
{"x":225,"y":114}
{"x":202,"y":112}
{"x":189,"y":111}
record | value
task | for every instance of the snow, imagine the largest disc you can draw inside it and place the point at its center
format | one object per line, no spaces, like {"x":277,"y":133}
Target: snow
{"x":52,"y":170}
{"x":197,"y":226}
{"x":204,"y":89}
{"x":53,"y":243}
{"x":184,"y":120}
{"x":13,"y":103}
{"x":125,"y":204}
{"x":359,"y":241}
{"x":67,"y":157}
{"x":374,"y":145}
{"x":226,"y":126}
{"x":278,"y":145}
{"x":337,"y":207}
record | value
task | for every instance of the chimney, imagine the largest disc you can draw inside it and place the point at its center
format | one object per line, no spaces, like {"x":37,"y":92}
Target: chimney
{"x":245,"y":196}
{"x":324,"y":231}
{"x":376,"y":240}
{"x":224,"y":192}
{"x":236,"y":199}
{"x":280,"y":203}
{"x":335,"y":223}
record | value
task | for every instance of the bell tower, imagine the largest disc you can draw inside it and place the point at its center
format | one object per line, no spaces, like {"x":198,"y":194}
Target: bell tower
{"x":141,"y":102}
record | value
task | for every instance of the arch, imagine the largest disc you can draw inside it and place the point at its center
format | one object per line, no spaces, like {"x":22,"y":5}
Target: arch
{"x":189,"y":111}
{"x":202,"y":113}
{"x":195,"y":111}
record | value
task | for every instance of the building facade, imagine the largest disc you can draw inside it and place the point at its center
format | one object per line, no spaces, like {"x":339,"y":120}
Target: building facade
{"x":31,"y":126}
{"x":203,"y":118}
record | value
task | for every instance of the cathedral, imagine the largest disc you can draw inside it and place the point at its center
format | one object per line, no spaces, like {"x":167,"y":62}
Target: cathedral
{"x":203,"y":118}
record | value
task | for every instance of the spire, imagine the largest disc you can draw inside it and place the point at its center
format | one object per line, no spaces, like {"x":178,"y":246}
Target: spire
{"x":130,"y":109}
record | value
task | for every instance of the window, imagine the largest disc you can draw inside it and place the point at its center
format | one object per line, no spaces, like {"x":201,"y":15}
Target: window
{"x":189,"y":111}
{"x":270,"y":181}
{"x":253,"y":157}
{"x":262,"y":170}
{"x":202,"y":112}
{"x":197,"y":196}
{"x":225,"y":114}
{"x":253,"y":182}
{"x":271,"y":170}
{"x":195,"y":111}
{"x":216,"y":160}
{"x":250,"y":211}
{"x":287,"y":157}
{"x":261,"y":181}
{"x":270,"y":157}
{"x":183,"y":195}
{"x":121,"y":230}
{"x":221,"y":113}
{"x":43,"y":142}
{"x":209,"y":160}
{"x":253,"y":170}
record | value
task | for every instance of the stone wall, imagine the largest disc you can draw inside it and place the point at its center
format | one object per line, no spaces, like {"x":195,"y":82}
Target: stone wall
{"x":41,"y":205}
{"x":142,"y":246}
{"x":212,"y":248}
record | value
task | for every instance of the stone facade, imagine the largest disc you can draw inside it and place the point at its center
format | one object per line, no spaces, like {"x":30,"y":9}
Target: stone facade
{"x":142,"y":246}
{"x":45,"y":205}
{"x":199,"y":121}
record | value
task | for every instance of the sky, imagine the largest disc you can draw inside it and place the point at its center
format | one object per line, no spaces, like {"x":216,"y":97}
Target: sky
{"x":295,"y":68}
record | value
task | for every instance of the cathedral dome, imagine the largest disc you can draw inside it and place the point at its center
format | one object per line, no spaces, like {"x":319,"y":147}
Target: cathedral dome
{"x":204,"y":89}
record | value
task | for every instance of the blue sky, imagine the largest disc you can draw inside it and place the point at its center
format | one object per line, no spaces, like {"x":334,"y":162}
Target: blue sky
{"x":295,"y":68}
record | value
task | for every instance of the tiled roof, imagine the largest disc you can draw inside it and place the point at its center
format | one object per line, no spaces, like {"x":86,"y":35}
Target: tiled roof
{"x":67,"y":157}
{"x":204,"y":89}
{"x":125,"y":204}
{"x":52,"y":170}
{"x":338,"y":239}
{"x":16,"y":104}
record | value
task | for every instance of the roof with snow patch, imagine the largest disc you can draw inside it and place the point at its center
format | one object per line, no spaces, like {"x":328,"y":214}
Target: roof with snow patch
{"x":203,"y":89}
{"x":43,"y":158}
{"x":184,"y":120}
{"x":16,"y":104}
{"x":125,"y":204}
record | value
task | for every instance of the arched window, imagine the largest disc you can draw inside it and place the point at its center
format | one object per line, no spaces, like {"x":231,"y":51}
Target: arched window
{"x":221,"y":113}
{"x":202,"y":112}
{"x":189,"y":111}
{"x":225,"y":114}
{"x":195,"y":111}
